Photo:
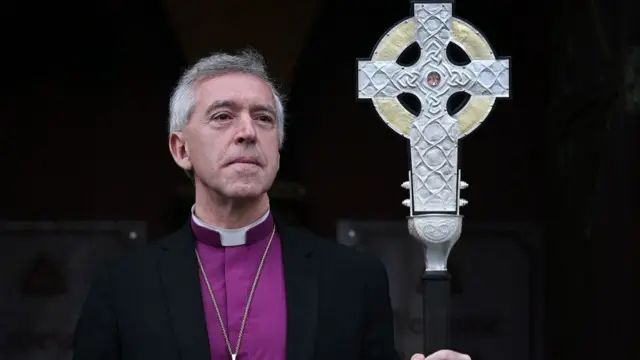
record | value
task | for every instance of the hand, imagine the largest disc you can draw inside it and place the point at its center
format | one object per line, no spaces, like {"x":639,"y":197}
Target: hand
{"x":442,"y":355}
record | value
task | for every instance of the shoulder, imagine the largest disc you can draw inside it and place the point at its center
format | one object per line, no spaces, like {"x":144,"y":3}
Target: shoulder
{"x":142,"y":261}
{"x":346,"y":272}
{"x":339,"y":257}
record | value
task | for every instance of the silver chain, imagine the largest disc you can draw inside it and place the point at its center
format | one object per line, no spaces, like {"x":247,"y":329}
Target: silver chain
{"x":246,"y":310}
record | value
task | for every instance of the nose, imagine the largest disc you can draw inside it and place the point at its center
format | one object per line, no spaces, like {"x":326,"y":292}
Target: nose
{"x":246,"y":131}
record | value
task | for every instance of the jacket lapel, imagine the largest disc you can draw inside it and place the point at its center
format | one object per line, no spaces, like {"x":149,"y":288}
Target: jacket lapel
{"x":181,"y":284}
{"x":301,"y":294}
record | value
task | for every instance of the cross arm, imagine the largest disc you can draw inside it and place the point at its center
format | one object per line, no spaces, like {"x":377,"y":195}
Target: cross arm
{"x":483,"y":77}
{"x":383,"y":79}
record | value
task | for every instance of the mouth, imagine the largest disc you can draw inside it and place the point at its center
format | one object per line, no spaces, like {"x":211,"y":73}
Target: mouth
{"x":245,"y":161}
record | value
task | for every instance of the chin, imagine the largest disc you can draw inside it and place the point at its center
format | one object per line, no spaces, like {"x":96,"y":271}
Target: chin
{"x":245,"y":191}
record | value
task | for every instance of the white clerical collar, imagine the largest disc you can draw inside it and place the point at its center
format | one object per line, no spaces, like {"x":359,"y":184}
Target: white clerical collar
{"x":229,"y":237}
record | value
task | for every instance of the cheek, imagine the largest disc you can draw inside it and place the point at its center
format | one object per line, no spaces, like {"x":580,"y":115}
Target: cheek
{"x":269,"y":145}
{"x":274,"y":152}
{"x":276,"y":162}
{"x":206,"y":153}
{"x":273,"y":141}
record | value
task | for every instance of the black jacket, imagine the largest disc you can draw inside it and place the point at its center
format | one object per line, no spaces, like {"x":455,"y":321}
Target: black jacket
{"x":148,"y":304}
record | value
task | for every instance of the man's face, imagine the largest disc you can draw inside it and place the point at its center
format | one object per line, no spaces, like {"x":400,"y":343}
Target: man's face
{"x":231,"y":141}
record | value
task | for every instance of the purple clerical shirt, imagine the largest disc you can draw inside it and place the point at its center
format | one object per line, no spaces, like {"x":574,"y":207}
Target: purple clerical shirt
{"x":231,"y":271}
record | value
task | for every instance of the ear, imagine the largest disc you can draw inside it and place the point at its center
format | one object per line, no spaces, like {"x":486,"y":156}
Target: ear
{"x":179,"y":150}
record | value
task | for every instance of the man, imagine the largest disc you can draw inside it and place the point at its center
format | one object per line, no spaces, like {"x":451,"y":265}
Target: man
{"x":234,"y":282}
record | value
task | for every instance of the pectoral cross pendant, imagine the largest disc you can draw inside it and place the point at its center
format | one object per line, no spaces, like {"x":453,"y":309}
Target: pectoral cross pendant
{"x":233,"y":356}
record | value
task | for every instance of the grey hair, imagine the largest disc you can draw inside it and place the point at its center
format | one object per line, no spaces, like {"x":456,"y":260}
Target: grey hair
{"x":247,"y":61}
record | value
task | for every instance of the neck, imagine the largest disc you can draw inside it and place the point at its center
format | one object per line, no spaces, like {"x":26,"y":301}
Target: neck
{"x":226,"y":213}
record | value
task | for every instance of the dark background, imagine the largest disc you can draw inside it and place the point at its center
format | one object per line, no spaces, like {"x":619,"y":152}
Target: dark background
{"x":84,"y":114}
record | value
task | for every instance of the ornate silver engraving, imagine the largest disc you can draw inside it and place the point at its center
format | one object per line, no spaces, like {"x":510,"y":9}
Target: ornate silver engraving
{"x":433,"y":79}
{"x":438,"y":233}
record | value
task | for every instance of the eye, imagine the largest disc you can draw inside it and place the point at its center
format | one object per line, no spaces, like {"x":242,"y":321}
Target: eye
{"x":222,"y":117}
{"x":265,"y":118}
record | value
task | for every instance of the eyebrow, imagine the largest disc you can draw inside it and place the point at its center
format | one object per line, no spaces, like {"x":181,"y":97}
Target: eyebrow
{"x":234,"y":105}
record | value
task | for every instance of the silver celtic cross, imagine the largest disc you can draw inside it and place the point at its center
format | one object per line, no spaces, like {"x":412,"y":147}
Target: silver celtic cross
{"x":433,"y":79}
{"x":434,"y":180}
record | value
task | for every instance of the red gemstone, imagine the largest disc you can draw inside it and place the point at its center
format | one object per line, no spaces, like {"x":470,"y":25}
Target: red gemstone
{"x":433,"y":78}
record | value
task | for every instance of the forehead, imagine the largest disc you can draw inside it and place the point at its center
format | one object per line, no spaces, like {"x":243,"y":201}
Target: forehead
{"x":236,"y":87}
